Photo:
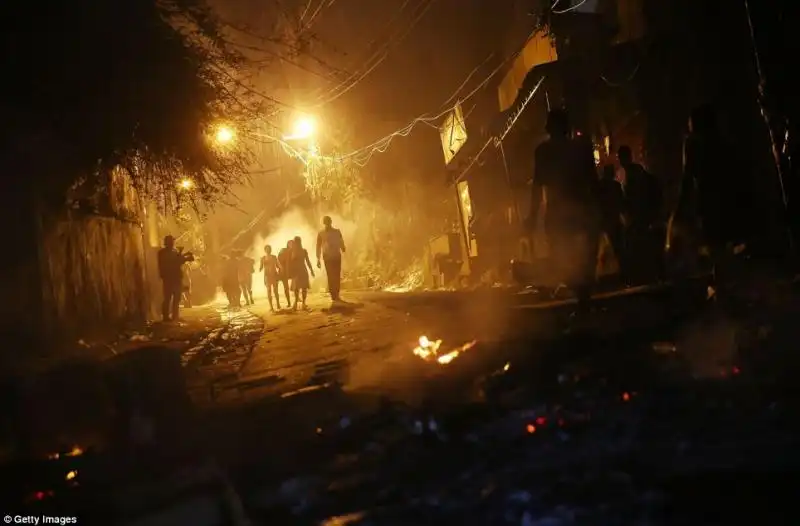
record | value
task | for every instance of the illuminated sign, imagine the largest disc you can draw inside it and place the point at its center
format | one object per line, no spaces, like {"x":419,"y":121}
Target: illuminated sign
{"x":454,"y":133}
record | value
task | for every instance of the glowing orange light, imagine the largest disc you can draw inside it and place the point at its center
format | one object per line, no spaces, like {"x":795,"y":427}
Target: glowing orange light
{"x":531,"y":429}
{"x":224,"y":135}
{"x":626,"y":397}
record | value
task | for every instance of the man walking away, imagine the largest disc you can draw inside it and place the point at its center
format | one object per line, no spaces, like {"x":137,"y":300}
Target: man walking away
{"x":269,"y":266}
{"x":247,"y":267}
{"x":230,"y":281}
{"x":612,"y":203}
{"x":716,"y":186}
{"x":330,"y":246}
{"x":170,"y":262}
{"x":301,"y":266}
{"x":285,"y":269}
{"x":643,"y":203}
{"x":566,"y":174}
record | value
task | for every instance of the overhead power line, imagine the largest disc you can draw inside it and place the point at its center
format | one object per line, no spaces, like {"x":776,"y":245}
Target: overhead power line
{"x":387,"y":28}
{"x":380,"y":56}
{"x":363,"y":155}
{"x":568,"y":9}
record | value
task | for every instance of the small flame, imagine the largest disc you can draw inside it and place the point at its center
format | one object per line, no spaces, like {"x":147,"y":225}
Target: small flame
{"x":71,"y":475}
{"x":428,"y":350}
{"x":506,"y":367}
{"x":447,"y":358}
{"x":74,"y":452}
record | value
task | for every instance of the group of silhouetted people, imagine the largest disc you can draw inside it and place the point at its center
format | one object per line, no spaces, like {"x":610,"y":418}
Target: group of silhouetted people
{"x":291,"y":269}
{"x":237,"y":278}
{"x":626,"y":206}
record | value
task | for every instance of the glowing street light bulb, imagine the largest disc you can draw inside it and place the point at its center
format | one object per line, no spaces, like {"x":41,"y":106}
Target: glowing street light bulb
{"x":304,"y":128}
{"x":187,"y":184}
{"x":224,"y":135}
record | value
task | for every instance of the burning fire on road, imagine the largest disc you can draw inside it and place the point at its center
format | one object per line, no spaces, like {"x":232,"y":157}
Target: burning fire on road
{"x":428,"y":350}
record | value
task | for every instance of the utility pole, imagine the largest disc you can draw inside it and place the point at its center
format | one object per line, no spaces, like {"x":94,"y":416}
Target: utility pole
{"x":765,"y":112}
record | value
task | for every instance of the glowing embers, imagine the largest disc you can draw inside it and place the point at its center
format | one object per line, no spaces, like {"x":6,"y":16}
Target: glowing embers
{"x":74,"y":452}
{"x":428,"y":350}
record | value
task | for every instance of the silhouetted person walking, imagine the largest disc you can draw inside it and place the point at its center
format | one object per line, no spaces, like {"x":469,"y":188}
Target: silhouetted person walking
{"x":170,"y":262}
{"x":230,"y":281}
{"x":330,"y":247}
{"x":714,"y":187}
{"x":565,"y":175}
{"x":612,"y":207}
{"x":643,"y":198}
{"x":247,"y":267}
{"x":300,"y":267}
{"x":285,"y":271}
{"x":269,"y":266}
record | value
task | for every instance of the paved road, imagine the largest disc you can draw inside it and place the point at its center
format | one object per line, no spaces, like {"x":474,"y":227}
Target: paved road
{"x":367,"y":343}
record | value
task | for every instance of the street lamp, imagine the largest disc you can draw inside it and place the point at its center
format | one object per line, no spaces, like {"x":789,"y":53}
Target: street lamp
{"x":187,"y":184}
{"x":224,"y":135}
{"x":304,"y":128}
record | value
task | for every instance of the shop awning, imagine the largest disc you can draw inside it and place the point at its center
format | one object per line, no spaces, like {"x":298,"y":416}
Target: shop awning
{"x":539,"y":49}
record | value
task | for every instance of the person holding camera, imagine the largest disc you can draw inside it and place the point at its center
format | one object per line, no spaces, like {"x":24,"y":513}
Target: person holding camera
{"x":170,"y":263}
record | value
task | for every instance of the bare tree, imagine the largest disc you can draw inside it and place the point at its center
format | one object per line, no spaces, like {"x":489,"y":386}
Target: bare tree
{"x":137,"y":83}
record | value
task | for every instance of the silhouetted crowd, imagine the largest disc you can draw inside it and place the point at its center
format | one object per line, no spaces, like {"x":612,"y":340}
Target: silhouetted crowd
{"x":289,"y":269}
{"x":582,"y":206}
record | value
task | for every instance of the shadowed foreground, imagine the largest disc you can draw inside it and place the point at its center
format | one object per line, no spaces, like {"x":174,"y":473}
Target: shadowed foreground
{"x":655,"y":420}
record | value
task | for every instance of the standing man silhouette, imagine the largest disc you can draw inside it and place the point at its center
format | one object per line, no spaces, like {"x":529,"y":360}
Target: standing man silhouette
{"x":330,"y":247}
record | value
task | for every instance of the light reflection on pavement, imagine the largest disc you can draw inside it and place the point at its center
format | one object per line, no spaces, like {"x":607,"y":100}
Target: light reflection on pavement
{"x":367,"y":343}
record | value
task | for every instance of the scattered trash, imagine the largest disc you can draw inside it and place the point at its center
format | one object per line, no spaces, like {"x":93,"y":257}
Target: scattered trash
{"x":664,"y":347}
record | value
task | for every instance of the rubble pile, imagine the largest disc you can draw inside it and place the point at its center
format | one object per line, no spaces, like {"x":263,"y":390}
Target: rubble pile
{"x":588,"y":453}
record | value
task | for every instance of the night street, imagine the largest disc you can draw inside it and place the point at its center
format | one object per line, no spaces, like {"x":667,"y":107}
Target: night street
{"x":640,"y":349}
{"x":366,"y":343}
{"x":545,"y":254}
{"x":654,"y":373}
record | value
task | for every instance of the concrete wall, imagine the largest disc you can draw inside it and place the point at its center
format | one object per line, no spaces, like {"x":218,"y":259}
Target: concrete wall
{"x":93,"y":274}
{"x":93,"y":265}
